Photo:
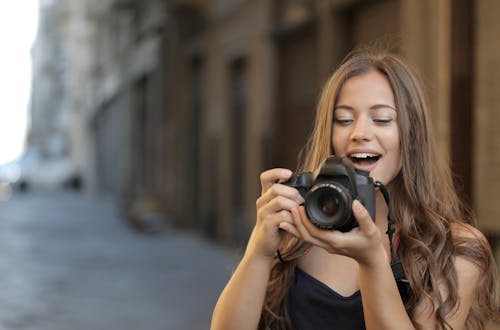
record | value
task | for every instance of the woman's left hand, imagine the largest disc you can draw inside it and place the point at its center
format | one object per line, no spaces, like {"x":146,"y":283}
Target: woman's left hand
{"x":363,"y":243}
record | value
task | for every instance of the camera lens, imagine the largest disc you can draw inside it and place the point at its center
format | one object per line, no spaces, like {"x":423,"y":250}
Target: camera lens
{"x":328,"y":205}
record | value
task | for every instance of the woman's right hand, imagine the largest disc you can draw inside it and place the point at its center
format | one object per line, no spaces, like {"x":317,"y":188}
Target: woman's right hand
{"x":240,"y":304}
{"x":273,"y":212}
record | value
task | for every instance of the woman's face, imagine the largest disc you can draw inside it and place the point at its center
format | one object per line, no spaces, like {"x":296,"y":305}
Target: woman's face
{"x":365,"y":126}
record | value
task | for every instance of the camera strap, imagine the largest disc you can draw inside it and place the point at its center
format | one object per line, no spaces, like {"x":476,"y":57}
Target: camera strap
{"x":396,"y":266}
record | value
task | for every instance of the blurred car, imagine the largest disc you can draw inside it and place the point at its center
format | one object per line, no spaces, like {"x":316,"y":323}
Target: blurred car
{"x":31,"y":171}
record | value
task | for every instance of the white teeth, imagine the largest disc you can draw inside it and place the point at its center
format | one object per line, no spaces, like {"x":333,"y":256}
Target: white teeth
{"x":363,"y":155}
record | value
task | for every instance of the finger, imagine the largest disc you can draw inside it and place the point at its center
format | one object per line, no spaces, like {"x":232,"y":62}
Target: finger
{"x":279,"y":190}
{"x":272,"y":221}
{"x":277,"y":204}
{"x":270,"y":177}
{"x":283,"y":222}
{"x":299,"y":219}
{"x":301,"y":230}
{"x":362,"y":216}
{"x":330,"y":240}
{"x":289,"y":228}
{"x":282,"y":216}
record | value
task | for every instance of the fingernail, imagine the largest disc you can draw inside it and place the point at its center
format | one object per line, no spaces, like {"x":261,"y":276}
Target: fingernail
{"x":356,"y":206}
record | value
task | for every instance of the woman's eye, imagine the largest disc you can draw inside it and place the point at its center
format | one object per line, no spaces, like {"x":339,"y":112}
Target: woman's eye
{"x":382,"y":120}
{"x":343,"y":121}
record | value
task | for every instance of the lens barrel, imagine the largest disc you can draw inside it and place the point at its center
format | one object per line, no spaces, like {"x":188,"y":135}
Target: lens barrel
{"x":328,"y":205}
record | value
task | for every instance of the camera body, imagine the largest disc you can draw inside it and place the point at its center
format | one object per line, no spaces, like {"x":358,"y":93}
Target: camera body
{"x":330,"y":190}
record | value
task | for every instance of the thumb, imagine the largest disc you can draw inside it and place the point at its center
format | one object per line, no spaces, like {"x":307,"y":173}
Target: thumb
{"x":361,"y":214}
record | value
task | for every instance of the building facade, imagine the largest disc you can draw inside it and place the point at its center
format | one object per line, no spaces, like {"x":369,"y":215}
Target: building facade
{"x":101,"y":77}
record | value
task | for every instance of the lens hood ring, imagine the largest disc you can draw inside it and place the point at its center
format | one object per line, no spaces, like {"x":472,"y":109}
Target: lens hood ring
{"x":328,"y":205}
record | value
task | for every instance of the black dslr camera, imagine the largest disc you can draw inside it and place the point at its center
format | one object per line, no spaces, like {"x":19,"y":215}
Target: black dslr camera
{"x":330,"y":190}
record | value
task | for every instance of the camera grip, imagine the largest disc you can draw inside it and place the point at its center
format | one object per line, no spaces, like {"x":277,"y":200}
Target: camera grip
{"x":301,"y":181}
{"x":366,"y":195}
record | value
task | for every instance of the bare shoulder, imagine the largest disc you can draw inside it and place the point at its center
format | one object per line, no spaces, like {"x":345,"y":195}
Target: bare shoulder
{"x":471,"y":260}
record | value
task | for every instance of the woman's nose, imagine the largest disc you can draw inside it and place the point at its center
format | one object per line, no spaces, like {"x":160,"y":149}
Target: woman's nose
{"x":361,"y":130}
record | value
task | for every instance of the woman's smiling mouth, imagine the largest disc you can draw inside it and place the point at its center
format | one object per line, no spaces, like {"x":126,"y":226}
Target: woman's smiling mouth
{"x":364,"y":160}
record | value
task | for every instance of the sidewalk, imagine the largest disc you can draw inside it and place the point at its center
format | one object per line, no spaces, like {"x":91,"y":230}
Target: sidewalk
{"x":68,"y":262}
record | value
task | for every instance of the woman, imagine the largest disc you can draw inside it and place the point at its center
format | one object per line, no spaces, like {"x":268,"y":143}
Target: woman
{"x":373,"y":111}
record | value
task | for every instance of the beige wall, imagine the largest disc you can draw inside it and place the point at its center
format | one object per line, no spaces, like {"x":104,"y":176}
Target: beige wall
{"x":425,"y":39}
{"x":487,"y":118}
{"x":487,"y":115}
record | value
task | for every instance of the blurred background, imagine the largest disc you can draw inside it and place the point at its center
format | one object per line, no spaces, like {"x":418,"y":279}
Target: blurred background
{"x":160,"y":114}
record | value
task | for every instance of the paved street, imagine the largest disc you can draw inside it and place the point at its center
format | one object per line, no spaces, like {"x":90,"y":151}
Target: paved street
{"x":69,"y":263}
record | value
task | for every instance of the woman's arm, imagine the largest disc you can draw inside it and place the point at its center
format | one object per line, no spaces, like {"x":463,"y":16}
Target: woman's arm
{"x":382,"y":304}
{"x":383,"y":308}
{"x":380,"y":295}
{"x":240,"y":304}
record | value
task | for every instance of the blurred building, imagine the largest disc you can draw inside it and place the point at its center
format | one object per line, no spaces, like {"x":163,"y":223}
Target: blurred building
{"x":99,"y":75}
{"x":174,"y":107}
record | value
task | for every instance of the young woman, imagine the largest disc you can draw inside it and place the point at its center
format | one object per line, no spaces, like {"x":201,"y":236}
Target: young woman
{"x":372,"y":110}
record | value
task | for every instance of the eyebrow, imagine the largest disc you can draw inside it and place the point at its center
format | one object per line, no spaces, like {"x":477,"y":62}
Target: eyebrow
{"x":373,"y":107}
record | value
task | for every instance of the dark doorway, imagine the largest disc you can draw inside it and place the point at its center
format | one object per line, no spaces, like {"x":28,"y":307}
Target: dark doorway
{"x":237,"y":109}
{"x":297,"y":88}
{"x":462,"y":96}
{"x":193,"y":181}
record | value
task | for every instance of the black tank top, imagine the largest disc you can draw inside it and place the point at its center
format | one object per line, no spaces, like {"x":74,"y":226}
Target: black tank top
{"x":315,"y":306}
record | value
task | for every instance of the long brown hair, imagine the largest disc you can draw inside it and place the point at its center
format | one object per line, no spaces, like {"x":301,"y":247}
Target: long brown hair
{"x":425,"y":204}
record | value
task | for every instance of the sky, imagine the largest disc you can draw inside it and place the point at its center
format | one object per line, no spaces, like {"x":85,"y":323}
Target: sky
{"x":18,"y":23}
